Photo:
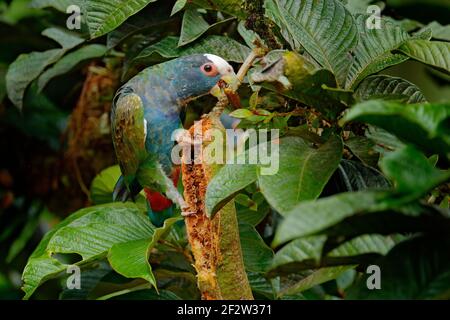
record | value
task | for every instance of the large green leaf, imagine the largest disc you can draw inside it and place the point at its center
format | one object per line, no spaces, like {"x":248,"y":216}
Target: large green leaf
{"x":425,"y":125}
{"x":302,"y":253}
{"x":167,"y":48}
{"x":28,"y":66}
{"x":324,"y":28}
{"x":192,"y":27}
{"x":257,"y":255}
{"x":60,"y":5}
{"x":317,"y":277}
{"x":311,"y":217}
{"x":414,"y":269}
{"x":356,"y":176}
{"x":103,"y":16}
{"x":102,"y":186}
{"x":433,"y":53}
{"x":357,"y":6}
{"x":303,"y":172}
{"x":69,"y":61}
{"x":385,"y":142}
{"x":373,"y":52}
{"x":251,"y":210}
{"x":90,"y":277}
{"x":150,"y":23}
{"x":131,"y":259}
{"x":65,"y":38}
{"x":89,"y":232}
{"x":387,"y":87}
{"x":226,"y":183}
{"x":412,"y":172}
{"x":363,"y":149}
{"x":306,"y":253}
{"x":438,"y":31}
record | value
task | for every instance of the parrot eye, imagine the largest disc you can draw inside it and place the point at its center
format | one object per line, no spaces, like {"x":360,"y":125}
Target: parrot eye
{"x":209,"y":69}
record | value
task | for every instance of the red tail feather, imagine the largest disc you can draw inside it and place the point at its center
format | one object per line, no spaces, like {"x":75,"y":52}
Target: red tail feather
{"x":157,"y":201}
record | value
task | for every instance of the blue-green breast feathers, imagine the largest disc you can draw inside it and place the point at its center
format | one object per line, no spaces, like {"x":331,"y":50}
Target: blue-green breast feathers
{"x":146,"y":109}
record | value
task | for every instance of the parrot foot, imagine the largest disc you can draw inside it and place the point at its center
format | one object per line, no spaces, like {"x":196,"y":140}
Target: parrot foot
{"x":186,"y":213}
{"x":184,"y":138}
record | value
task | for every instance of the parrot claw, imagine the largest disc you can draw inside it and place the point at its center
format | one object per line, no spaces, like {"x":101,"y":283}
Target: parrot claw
{"x":185,"y":139}
{"x":186,"y":213}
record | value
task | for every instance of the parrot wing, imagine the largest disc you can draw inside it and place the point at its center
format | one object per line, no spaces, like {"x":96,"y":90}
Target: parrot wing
{"x":128,"y":132}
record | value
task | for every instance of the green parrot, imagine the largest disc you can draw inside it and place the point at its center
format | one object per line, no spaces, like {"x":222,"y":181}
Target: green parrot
{"x":145,"y":113}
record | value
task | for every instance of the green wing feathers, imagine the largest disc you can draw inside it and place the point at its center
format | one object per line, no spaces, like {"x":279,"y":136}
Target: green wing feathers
{"x":128,"y":132}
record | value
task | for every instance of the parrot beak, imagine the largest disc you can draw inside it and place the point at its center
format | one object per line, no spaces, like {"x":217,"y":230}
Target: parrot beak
{"x":228,"y":85}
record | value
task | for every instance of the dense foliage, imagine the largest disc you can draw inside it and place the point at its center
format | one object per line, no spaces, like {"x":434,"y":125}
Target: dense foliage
{"x":364,"y":152}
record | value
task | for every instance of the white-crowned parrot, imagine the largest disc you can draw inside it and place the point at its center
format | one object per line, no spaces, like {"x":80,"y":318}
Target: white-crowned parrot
{"x":145,"y":113}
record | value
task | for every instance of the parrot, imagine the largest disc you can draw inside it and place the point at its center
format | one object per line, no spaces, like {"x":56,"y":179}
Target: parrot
{"x":146,"y":111}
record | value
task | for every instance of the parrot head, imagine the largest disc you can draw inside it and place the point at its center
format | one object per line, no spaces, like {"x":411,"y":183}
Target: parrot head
{"x":203,"y":74}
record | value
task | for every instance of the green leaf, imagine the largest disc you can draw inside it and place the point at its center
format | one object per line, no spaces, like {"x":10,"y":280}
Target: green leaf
{"x":357,"y":176}
{"x":413,"y":174}
{"x":60,"y":5}
{"x":248,"y":35}
{"x":311,"y":217}
{"x":424,"y":125}
{"x":317,"y":277}
{"x":414,"y":269}
{"x":248,"y":214}
{"x":373,"y":52}
{"x":303,"y":253}
{"x":324,"y":28}
{"x":226,"y":183}
{"x":307,"y":253}
{"x":26,"y":68}
{"x":357,"y":6}
{"x":432,"y":53}
{"x":66,"y":39}
{"x":89,"y":232}
{"x":303,"y":172}
{"x":241,"y":113}
{"x":103,"y":185}
{"x":368,"y":243}
{"x":19,"y":243}
{"x":178,"y":6}
{"x":384,"y":141}
{"x":192,"y":27}
{"x":130,"y":259}
{"x":363,"y":149}
{"x":144,"y":27}
{"x":103,"y":16}
{"x":257,"y":255}
{"x":69,"y":61}
{"x":183,"y":284}
{"x":89,"y":279}
{"x":438,"y":31}
{"x":300,"y":80}
{"x":167,"y":48}
{"x":387,"y":87}
{"x":261,"y":286}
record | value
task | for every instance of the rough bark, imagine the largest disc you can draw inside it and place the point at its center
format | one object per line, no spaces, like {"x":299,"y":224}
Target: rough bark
{"x":214,"y":242}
